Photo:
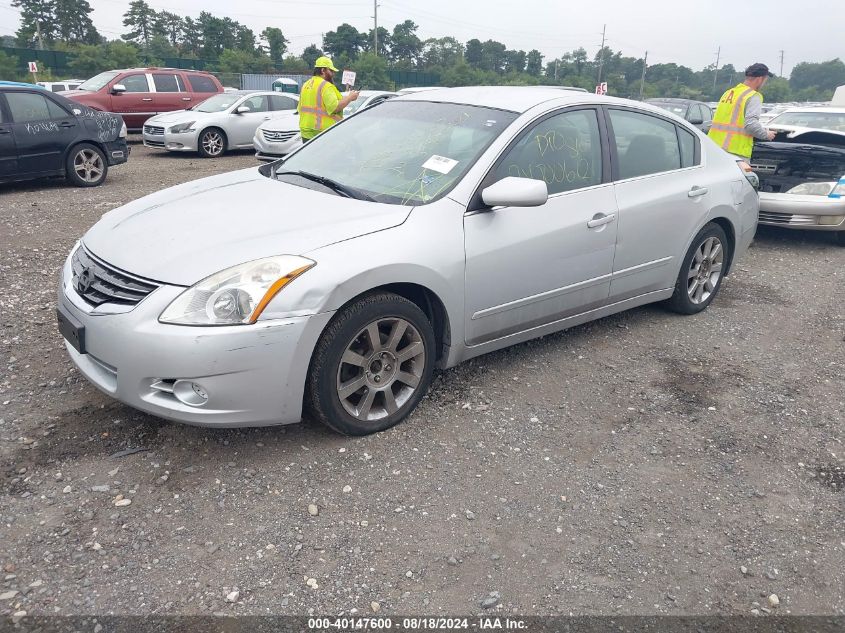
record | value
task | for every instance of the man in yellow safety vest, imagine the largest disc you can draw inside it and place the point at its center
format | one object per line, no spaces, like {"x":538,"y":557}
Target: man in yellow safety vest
{"x":737,"y":120}
{"x":320,"y":103}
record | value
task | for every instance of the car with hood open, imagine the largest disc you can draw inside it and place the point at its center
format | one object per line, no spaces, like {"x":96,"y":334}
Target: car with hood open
{"x":428,"y":230}
{"x":802,"y":171}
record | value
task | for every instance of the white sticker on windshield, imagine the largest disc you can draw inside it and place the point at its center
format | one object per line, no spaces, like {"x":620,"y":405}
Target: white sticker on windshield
{"x":440,"y":164}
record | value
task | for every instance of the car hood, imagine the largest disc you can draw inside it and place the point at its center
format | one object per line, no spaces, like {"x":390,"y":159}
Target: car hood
{"x":282,"y":123}
{"x":798,"y":134}
{"x":186,"y":233}
{"x":183,"y":116}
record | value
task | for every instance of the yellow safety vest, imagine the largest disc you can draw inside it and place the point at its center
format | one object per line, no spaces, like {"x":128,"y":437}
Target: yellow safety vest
{"x":728,"y":128}
{"x":313,"y":116}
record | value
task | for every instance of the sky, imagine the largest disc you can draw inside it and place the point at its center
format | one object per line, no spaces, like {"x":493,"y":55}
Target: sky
{"x":685,"y":31}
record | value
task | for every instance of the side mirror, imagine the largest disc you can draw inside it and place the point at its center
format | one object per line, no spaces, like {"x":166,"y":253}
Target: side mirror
{"x":243,"y":109}
{"x":516,"y":192}
{"x":117,"y":89}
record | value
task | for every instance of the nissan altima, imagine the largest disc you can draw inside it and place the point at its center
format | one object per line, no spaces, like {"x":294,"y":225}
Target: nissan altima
{"x":437,"y":227}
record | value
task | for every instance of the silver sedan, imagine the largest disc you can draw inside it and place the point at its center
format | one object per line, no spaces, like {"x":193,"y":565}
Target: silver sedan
{"x":435,"y":228}
{"x":223,"y":122}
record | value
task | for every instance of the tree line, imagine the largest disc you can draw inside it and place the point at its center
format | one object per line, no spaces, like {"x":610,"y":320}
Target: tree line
{"x":227,"y":46}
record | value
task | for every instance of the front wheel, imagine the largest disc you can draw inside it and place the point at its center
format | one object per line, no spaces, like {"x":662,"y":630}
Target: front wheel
{"x":212,"y":143}
{"x":86,"y":166}
{"x":702,"y":271}
{"x":371,"y":366}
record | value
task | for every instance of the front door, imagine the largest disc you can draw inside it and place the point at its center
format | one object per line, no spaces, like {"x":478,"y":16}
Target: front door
{"x":526,"y":267}
{"x":243,"y":126}
{"x":135,"y":104}
{"x":8,"y":151}
{"x":42,"y":132}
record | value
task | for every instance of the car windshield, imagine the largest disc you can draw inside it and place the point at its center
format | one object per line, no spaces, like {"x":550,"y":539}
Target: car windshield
{"x":95,"y":83}
{"x":674,"y":108}
{"x":354,"y":106}
{"x":819,"y":120}
{"x":217,"y":103}
{"x":403,"y":152}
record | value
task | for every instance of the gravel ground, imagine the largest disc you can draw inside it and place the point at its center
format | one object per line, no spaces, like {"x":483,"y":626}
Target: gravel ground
{"x":643,"y":464}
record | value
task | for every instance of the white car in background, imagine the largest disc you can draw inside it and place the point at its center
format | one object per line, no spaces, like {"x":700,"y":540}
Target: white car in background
{"x":61,"y":86}
{"x":223,"y":122}
{"x":280,"y":136}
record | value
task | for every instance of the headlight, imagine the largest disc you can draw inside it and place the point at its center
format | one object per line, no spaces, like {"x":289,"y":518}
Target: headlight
{"x":813,"y":188}
{"x":122,"y":131}
{"x":237,"y":295}
{"x":182,"y":127}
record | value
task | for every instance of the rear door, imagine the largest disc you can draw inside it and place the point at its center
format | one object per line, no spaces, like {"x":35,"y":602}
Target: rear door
{"x":8,"y":151}
{"x":662,"y":191}
{"x":42,"y":130}
{"x":135,"y":104}
{"x":201,"y":86}
{"x":170,"y":92}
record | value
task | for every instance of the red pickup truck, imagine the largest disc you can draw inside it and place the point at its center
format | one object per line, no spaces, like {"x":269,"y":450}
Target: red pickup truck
{"x":139,"y":93}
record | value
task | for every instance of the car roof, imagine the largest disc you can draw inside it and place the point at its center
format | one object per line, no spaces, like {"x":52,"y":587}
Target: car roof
{"x":154,"y":68}
{"x":19,"y":84}
{"x":830,"y":109}
{"x":677,"y":100}
{"x":513,"y":98}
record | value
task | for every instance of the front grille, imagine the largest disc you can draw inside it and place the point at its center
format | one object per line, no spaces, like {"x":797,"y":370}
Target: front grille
{"x":276,"y":137}
{"x":154,"y":130}
{"x":97,"y":282}
{"x":150,"y":143}
{"x":764,"y":166}
{"x":788,"y":219}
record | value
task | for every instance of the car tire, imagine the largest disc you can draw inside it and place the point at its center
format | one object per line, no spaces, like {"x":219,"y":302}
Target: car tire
{"x":702,"y":271}
{"x":86,"y":166}
{"x":211,"y":143}
{"x":357,"y":386}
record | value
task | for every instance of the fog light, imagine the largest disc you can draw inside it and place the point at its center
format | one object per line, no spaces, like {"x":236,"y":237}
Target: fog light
{"x":831,"y":220}
{"x":190,"y":393}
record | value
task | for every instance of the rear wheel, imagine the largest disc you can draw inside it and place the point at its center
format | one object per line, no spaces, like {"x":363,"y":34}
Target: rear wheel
{"x":86,"y":166}
{"x":372,"y":365}
{"x":212,"y":143}
{"x":702,"y":271}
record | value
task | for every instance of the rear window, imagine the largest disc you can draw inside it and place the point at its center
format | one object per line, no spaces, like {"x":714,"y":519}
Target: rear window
{"x":202,"y":83}
{"x":167,"y":83}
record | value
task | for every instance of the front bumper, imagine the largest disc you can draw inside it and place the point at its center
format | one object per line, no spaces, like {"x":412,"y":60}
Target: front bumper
{"x":808,"y":213}
{"x":253,"y":375}
{"x":117,"y":152}
{"x":270,"y":150}
{"x":184,"y":142}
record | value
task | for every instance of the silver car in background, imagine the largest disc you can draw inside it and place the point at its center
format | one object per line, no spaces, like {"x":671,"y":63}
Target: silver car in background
{"x":429,"y":230}
{"x":280,"y":136}
{"x":223,"y":122}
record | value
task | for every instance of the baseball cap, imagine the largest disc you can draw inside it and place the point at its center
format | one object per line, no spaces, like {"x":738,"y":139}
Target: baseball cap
{"x":758,"y":70}
{"x":324,"y":62}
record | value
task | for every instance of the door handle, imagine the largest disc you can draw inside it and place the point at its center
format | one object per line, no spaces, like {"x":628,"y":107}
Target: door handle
{"x":5,"y":131}
{"x":186,"y":98}
{"x":600,"y":219}
{"x":146,"y":98}
{"x":67,"y":124}
{"x":697,"y":191}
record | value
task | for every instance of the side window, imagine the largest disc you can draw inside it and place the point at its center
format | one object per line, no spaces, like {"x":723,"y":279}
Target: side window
{"x":257,"y":103}
{"x":563,"y":150}
{"x":56,"y":111}
{"x":687,"y":148}
{"x":167,"y":83}
{"x":201,"y":83}
{"x":57,"y":87}
{"x":26,"y":107}
{"x":72,"y":86}
{"x":644,"y":144}
{"x":135,"y":83}
{"x":279,"y":102}
{"x":706,"y":114}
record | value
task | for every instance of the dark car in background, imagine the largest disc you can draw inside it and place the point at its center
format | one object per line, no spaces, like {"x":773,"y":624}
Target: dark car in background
{"x":697,"y":113}
{"x":137,"y":94}
{"x":42,"y":134}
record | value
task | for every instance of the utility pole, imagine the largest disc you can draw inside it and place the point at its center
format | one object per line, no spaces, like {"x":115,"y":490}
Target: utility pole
{"x":38,"y":34}
{"x":375,"y":29}
{"x":642,"y":80}
{"x":716,"y":70}
{"x":601,"y":51}
{"x":780,"y":74}
{"x":557,"y":64}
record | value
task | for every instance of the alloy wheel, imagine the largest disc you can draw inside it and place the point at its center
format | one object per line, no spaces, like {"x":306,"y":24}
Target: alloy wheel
{"x":381,"y":369}
{"x":705,"y":270}
{"x":212,"y":143}
{"x":88,"y":165}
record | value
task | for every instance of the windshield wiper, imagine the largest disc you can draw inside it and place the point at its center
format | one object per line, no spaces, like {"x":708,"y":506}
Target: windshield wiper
{"x":347,"y":192}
